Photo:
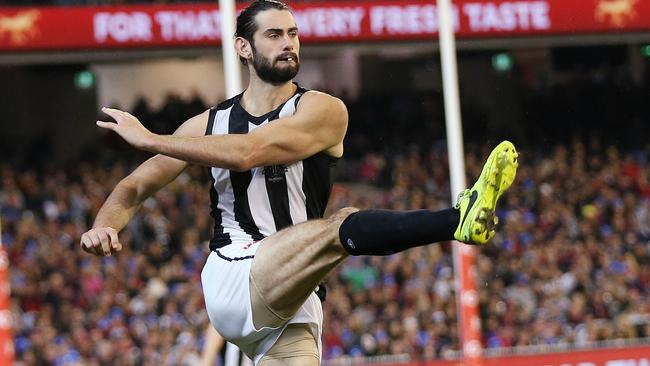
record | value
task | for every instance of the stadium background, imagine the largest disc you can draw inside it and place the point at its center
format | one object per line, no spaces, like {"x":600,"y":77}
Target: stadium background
{"x":565,"y":282}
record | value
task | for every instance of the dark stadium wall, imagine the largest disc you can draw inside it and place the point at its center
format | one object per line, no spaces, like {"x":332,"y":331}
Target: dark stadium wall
{"x":45,"y":116}
{"x":490,"y":99}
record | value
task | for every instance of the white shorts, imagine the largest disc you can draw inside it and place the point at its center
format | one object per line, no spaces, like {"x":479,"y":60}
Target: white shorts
{"x":225,"y":280}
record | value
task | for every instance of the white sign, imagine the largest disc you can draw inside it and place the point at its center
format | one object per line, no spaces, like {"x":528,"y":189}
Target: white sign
{"x":189,"y":25}
{"x":122,"y":26}
{"x":330,"y":22}
{"x":508,"y":16}
{"x":408,"y":19}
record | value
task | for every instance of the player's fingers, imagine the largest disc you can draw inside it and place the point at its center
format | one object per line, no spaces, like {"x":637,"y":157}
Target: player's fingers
{"x":126,"y":114}
{"x":115,"y":113}
{"x":109,"y":109}
{"x":97,"y":244}
{"x":118,"y":115}
{"x":115,"y":240}
{"x":107,"y":125}
{"x":87,"y":244}
{"x":105,"y":242}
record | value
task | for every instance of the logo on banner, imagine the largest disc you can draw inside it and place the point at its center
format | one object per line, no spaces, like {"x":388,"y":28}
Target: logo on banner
{"x":616,"y":12}
{"x":20,"y":27}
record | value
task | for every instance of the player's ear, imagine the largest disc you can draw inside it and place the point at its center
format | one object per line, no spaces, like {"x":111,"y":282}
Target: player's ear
{"x":243,"y":48}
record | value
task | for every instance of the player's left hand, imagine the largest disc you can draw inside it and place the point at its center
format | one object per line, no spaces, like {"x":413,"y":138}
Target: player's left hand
{"x":128,"y":127}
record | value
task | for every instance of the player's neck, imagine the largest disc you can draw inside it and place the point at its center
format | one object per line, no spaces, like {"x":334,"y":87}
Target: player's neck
{"x":261,"y":97}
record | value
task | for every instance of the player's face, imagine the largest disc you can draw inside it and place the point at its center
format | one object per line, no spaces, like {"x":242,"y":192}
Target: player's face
{"x":276,"y":48}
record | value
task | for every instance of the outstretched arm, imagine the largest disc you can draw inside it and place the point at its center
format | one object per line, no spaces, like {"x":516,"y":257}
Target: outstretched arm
{"x":130,"y":192}
{"x":319,"y":124}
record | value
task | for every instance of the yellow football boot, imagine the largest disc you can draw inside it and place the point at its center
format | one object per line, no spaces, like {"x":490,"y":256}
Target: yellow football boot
{"x":477,"y":204}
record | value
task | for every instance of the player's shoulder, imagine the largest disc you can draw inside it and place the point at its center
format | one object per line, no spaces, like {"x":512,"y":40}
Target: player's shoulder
{"x":315,"y":98}
{"x":319,"y":95}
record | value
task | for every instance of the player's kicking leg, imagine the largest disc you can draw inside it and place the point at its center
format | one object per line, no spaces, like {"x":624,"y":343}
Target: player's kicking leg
{"x":289,"y":264}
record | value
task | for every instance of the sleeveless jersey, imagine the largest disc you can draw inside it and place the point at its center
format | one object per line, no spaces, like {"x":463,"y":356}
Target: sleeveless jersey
{"x":249,"y":206}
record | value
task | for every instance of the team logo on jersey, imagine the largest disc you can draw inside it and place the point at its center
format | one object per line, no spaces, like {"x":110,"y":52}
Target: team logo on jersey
{"x":274,"y":173}
{"x":20,"y":27}
{"x":616,"y":12}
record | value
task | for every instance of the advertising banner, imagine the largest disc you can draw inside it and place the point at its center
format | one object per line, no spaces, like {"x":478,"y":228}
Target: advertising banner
{"x":198,"y":25}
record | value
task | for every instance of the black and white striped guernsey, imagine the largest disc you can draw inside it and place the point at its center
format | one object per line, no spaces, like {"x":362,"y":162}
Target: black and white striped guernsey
{"x":251,"y":205}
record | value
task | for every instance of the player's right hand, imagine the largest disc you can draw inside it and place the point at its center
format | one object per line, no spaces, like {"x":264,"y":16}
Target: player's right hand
{"x":101,"y":241}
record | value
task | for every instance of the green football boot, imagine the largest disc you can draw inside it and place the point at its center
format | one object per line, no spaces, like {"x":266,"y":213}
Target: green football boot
{"x":477,"y":204}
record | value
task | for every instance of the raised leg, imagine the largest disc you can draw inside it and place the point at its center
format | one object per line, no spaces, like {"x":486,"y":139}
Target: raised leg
{"x":290,"y":264}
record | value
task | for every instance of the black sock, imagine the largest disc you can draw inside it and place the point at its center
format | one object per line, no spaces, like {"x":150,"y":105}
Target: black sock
{"x":384,"y":232}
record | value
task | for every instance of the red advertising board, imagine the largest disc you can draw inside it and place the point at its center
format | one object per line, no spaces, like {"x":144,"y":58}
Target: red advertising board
{"x":192,"y":25}
{"x":627,"y":356}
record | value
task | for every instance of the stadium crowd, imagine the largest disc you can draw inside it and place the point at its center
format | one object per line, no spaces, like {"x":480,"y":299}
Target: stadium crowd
{"x":569,"y":265}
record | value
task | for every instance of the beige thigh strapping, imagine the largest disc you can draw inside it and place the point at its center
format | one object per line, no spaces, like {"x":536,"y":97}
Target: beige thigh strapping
{"x":295,"y":347}
{"x":263,"y":315}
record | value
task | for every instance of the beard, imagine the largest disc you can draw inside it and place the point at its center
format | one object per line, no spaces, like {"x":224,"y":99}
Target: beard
{"x":271,"y":73}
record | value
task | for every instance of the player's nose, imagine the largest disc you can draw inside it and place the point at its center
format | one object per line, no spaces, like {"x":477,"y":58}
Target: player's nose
{"x":289,"y":44}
